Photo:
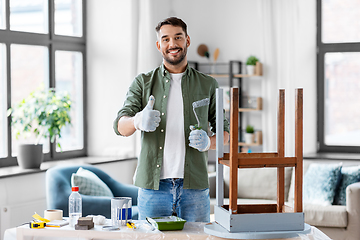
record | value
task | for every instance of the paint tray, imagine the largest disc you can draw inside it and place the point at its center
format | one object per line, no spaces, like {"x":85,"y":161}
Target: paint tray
{"x":167,"y":223}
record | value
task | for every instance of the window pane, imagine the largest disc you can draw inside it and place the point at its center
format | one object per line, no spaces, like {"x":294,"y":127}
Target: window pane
{"x":29,"y":71}
{"x":29,"y":16}
{"x":340,"y":21}
{"x":69,"y":77}
{"x":342,"y":99}
{"x":3,"y":102}
{"x":68,"y":17}
{"x":2,"y":14}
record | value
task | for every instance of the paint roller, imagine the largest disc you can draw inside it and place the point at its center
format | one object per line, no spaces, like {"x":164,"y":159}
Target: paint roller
{"x":197,"y":104}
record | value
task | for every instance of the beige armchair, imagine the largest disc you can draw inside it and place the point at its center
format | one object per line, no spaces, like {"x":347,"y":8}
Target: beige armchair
{"x":338,"y":222}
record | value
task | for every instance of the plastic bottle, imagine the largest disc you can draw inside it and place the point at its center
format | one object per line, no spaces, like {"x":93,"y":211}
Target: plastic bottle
{"x":75,"y":206}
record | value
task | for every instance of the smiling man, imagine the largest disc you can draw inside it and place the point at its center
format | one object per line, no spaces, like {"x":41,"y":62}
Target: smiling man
{"x":172,"y":166}
{"x":173,"y":43}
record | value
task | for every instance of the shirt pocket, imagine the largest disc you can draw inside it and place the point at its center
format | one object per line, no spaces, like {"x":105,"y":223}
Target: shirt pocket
{"x":202,"y":101}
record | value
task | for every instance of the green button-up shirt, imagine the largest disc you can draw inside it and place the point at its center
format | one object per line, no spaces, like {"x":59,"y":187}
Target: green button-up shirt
{"x":195,"y":86}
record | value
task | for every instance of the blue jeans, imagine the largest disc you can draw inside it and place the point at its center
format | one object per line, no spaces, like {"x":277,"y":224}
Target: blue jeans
{"x":193,"y":205}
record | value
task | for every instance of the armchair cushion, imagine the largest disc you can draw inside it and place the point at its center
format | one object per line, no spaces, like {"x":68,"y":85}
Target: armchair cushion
{"x":89,"y":183}
{"x":326,"y":216}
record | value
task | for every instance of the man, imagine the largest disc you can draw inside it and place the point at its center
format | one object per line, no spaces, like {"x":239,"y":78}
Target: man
{"x":172,"y":166}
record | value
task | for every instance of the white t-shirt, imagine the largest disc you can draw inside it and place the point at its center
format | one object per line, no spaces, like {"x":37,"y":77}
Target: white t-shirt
{"x":174,"y":147}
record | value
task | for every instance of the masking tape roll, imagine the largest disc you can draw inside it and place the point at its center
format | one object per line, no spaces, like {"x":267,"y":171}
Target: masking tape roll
{"x":54,"y":214}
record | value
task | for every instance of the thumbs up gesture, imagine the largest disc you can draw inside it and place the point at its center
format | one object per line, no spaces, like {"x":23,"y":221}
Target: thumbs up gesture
{"x":148,"y":119}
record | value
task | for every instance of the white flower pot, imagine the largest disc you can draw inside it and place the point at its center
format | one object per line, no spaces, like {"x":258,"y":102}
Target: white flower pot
{"x":250,"y":69}
{"x":249,"y":138}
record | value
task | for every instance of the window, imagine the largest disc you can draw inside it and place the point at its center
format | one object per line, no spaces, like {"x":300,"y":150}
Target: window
{"x":338,"y":41}
{"x":3,"y":101}
{"x":29,"y":16}
{"x":29,"y":70}
{"x":68,"y":77}
{"x":2,"y":14}
{"x":38,"y":48}
{"x":68,"y":17}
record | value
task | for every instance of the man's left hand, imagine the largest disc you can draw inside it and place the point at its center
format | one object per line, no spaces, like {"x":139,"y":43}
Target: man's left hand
{"x":199,"y":139}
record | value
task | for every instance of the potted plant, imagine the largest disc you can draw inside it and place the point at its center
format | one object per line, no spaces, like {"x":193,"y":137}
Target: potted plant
{"x":42,"y":114}
{"x":249,"y":134}
{"x":250,"y":65}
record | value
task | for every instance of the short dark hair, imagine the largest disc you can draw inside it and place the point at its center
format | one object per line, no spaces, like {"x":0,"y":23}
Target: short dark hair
{"x":174,"y":21}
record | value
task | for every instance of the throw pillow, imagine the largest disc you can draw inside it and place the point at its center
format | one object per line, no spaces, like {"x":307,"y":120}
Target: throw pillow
{"x":350,"y":175}
{"x":90,"y":184}
{"x":320,"y":183}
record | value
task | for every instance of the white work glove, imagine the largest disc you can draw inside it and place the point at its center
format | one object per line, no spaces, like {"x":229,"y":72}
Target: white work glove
{"x":148,"y":119}
{"x":98,"y":219}
{"x":199,"y":139}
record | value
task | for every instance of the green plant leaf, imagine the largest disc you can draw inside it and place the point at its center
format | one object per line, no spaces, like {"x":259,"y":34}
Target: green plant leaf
{"x":59,"y":145}
{"x":251,"y":60}
{"x":197,"y":127}
{"x":249,"y":129}
{"x":42,"y":113}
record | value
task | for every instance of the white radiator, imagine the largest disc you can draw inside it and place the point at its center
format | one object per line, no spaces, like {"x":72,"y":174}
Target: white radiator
{"x":20,"y":197}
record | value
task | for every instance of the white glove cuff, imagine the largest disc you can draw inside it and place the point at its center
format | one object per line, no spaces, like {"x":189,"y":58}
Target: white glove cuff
{"x":138,"y":120}
{"x":208,"y":145}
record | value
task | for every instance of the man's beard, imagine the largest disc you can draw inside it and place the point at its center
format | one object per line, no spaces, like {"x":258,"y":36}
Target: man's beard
{"x":177,"y":60}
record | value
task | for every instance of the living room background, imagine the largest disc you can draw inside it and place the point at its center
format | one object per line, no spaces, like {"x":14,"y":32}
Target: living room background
{"x":117,"y":52}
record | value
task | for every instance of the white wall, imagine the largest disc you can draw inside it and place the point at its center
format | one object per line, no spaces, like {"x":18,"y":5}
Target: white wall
{"x":109,"y":73}
{"x":306,"y":71}
{"x":231,"y":25}
{"x":224,"y":25}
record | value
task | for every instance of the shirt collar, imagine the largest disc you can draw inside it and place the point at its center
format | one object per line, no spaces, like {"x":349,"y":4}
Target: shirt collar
{"x":165,"y":72}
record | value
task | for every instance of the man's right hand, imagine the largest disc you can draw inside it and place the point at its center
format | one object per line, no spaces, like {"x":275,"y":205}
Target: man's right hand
{"x":148,"y":119}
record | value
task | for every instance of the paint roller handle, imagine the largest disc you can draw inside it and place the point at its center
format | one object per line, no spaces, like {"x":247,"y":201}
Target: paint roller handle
{"x":148,"y":119}
{"x":199,"y":139}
